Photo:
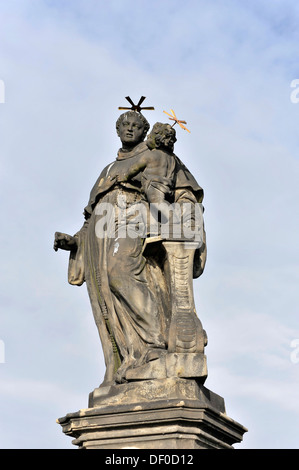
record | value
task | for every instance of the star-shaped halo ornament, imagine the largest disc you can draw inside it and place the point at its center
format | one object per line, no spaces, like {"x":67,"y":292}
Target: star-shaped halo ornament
{"x":176,"y":120}
{"x":136,"y":107}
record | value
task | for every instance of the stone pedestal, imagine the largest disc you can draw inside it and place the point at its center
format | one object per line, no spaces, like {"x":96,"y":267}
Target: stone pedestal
{"x":163,"y":404}
{"x":171,"y":413}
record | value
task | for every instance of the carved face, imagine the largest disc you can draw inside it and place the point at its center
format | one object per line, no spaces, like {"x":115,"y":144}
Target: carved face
{"x":162,"y":136}
{"x":169,"y":138}
{"x":131,"y":130}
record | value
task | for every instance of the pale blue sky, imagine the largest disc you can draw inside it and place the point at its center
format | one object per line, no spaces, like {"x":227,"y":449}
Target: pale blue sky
{"x":226,"y":68}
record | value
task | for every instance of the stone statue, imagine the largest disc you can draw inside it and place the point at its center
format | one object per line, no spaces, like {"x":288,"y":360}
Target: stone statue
{"x":139,"y":275}
{"x":140,"y":247}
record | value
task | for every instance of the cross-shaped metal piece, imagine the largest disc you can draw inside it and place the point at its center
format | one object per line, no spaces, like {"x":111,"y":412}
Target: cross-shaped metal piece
{"x":136,"y":107}
{"x":176,"y":120}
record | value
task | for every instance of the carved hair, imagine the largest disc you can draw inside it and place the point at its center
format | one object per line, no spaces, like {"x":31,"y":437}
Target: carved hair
{"x":158,"y":134}
{"x":133,"y":113}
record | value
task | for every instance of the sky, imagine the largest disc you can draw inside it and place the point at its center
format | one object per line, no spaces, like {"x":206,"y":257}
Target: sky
{"x":227,"y":68}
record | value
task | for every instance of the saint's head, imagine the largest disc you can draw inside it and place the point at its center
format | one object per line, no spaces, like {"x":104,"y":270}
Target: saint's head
{"x":132,"y":128}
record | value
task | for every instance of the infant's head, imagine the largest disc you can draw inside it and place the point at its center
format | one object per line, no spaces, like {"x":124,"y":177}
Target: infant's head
{"x":162,"y":136}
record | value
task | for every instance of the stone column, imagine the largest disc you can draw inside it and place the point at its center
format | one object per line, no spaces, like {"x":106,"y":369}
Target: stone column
{"x":186,"y":334}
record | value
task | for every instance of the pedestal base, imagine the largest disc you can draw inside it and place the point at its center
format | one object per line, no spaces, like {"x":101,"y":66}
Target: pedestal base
{"x":183,"y":365}
{"x":153,"y":414}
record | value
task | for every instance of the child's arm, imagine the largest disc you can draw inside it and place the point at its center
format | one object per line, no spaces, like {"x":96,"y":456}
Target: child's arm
{"x":136,"y":167}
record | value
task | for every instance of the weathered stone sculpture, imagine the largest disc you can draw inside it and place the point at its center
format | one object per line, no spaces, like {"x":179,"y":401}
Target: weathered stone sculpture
{"x":141,"y":245}
{"x":131,"y":294}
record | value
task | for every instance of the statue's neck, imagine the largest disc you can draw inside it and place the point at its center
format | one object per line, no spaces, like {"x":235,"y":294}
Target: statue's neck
{"x":128,"y":148}
{"x":124,"y":152}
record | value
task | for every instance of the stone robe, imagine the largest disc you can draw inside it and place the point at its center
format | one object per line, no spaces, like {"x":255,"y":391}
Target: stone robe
{"x":128,"y":291}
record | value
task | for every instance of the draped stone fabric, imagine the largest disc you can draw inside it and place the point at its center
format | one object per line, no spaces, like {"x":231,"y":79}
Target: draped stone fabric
{"x":128,"y":290}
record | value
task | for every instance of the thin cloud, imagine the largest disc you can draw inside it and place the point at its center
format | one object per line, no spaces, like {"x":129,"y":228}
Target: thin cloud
{"x":224,"y":68}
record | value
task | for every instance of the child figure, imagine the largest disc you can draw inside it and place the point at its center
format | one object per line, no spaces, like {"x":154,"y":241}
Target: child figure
{"x":157,"y":164}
